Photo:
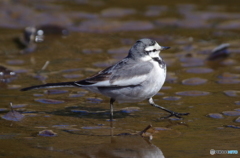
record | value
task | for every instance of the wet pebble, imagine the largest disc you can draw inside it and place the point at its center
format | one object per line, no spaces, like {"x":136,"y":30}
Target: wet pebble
{"x":172,"y":98}
{"x":30,"y":115}
{"x":118,"y":50}
{"x":152,"y":13}
{"x":71,"y":130}
{"x":3,"y":109}
{"x":171,"y":77}
{"x":40,"y":77}
{"x":237,"y":102}
{"x":130,"y":109}
{"x":231,"y":113}
{"x":8,"y":136}
{"x":127,"y":41}
{"x":71,"y":70}
{"x":230,"y":24}
{"x":192,"y":93}
{"x":238,"y":109}
{"x":15,"y":62}
{"x":14,"y":86}
{"x":193,"y":64}
{"x":166,"y":87}
{"x":160,"y":93}
{"x":18,"y":105}
{"x":75,"y":95}
{"x":228,"y":75}
{"x":162,"y":129}
{"x":233,"y":126}
{"x":83,"y":92}
{"x":199,"y":70}
{"x":237,"y":68}
{"x":92,"y":127}
{"x":215,"y":115}
{"x":228,"y":62}
{"x":13,"y":116}
{"x":194,"y":81}
{"x":19,"y":71}
{"x":228,"y":81}
{"x":231,"y":93}
{"x":55,"y":91}
{"x":155,"y":10}
{"x":63,"y":126}
{"x":237,"y":119}
{"x":92,"y":51}
{"x":174,"y":119}
{"x":102,"y":64}
{"x":72,"y":76}
{"x":94,"y":100}
{"x":117,"y":12}
{"x":47,"y":133}
{"x":169,"y":62}
{"x":102,"y":26}
{"x":49,"y":101}
{"x":191,"y":60}
{"x":219,"y":52}
{"x":40,"y":127}
{"x":38,"y":95}
{"x":80,"y":111}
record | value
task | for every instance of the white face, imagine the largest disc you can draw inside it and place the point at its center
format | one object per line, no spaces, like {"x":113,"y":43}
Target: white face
{"x":153,"y":51}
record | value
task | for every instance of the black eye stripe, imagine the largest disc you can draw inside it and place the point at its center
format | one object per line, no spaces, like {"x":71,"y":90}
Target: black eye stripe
{"x":154,"y":50}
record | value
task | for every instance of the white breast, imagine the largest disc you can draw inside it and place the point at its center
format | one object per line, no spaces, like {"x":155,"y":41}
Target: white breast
{"x":156,"y":79}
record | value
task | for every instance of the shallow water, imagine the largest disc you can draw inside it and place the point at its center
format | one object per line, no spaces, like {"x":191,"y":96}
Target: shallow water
{"x":101,"y":32}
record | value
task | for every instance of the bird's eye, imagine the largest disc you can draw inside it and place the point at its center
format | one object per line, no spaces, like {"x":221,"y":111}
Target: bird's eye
{"x":154,"y":50}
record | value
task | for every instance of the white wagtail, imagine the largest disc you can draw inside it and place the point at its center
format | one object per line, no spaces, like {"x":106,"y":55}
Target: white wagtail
{"x":137,"y":77}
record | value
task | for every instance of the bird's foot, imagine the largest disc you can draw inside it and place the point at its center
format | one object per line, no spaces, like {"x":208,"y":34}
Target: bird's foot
{"x":176,"y":114}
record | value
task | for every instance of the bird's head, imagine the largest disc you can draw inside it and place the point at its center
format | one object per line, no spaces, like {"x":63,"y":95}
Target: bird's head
{"x":145,"y":49}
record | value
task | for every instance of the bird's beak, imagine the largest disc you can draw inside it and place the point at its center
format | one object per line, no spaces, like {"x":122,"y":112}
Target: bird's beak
{"x":164,"y":48}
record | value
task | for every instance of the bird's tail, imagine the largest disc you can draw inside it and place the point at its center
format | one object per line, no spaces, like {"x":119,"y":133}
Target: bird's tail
{"x":51,"y":85}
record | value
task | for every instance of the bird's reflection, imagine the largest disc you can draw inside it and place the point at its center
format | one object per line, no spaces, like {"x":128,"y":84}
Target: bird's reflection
{"x":125,"y":146}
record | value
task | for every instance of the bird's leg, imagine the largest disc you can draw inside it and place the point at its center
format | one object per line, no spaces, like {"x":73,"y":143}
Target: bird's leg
{"x":111,"y":108}
{"x":111,"y":115}
{"x":172,"y":113}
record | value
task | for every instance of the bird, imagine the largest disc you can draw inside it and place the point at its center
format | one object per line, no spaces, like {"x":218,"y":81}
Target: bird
{"x":137,"y":77}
